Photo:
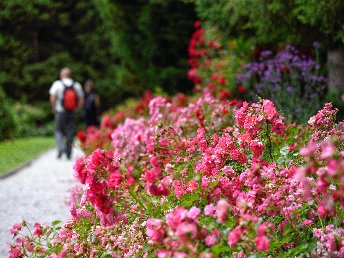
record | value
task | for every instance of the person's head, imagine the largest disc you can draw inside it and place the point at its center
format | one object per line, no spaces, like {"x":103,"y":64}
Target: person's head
{"x":65,"y":72}
{"x":89,"y":86}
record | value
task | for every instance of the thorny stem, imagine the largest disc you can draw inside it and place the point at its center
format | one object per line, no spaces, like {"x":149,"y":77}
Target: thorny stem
{"x":28,"y":229}
{"x":321,"y":222}
{"x":32,"y":239}
{"x":138,"y":200}
{"x":269,"y":138}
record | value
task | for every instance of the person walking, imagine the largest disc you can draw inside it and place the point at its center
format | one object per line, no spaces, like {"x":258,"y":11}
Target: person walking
{"x":66,"y":98}
{"x":92,"y":105}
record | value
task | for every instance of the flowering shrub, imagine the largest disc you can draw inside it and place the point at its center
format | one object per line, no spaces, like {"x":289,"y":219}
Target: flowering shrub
{"x":230,"y":70}
{"x":207,"y":176}
{"x":203,"y":180}
{"x":100,"y":137}
{"x":214,"y":66}
{"x":289,"y":78}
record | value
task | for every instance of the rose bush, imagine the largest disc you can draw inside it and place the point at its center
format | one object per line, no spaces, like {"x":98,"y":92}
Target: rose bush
{"x":215,"y":63}
{"x":204,"y":180}
{"x":202,"y":176}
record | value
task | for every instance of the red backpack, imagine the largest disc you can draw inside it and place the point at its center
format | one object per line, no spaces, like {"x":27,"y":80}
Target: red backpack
{"x":70,"y":98}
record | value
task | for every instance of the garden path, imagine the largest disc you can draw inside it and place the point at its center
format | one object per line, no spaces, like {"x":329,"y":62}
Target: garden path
{"x":37,"y":193}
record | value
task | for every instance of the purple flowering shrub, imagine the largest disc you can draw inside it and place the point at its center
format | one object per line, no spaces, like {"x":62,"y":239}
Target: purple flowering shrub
{"x":290,"y":79}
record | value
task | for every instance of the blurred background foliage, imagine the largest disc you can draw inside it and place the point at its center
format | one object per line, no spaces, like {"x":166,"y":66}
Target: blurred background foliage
{"x":127,"y":47}
{"x":273,"y":22}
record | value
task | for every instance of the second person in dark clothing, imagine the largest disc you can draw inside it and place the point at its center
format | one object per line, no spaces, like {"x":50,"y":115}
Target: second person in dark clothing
{"x":92,"y":105}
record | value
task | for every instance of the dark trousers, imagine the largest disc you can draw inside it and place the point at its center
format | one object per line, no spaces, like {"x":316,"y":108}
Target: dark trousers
{"x":65,"y":123}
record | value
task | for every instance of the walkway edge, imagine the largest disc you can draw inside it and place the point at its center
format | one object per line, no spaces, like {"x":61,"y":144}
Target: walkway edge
{"x":25,"y":165}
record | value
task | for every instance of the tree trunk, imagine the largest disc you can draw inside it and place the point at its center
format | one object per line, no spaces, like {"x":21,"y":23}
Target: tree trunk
{"x":335,"y":64}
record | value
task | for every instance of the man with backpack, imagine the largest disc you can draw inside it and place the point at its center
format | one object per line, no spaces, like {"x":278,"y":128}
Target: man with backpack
{"x":66,"y":97}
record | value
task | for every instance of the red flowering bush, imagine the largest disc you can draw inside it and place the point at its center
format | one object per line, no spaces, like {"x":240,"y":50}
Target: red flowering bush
{"x":99,"y":137}
{"x":202,"y":177}
{"x":203,"y":180}
{"x":214,"y":65}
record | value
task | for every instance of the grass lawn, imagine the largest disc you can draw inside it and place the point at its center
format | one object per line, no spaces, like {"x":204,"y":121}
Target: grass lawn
{"x":15,"y":153}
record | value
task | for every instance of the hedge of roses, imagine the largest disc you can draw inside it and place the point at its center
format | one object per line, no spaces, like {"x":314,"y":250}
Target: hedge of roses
{"x":216,"y":66}
{"x":204,"y":180}
{"x":206,"y":176}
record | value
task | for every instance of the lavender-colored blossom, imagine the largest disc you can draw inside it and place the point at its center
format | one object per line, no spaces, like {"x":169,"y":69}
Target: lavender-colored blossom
{"x":290,"y":89}
{"x":316,"y":44}
{"x":289,"y":79}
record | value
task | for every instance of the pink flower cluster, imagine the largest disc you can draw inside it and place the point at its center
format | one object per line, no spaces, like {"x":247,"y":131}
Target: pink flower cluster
{"x":194,"y":181}
{"x":322,"y":178}
{"x":247,"y":225}
{"x":176,"y":234}
{"x":104,"y":182}
{"x":26,"y":243}
{"x":331,"y":242}
{"x":322,"y":123}
{"x":252,"y":118}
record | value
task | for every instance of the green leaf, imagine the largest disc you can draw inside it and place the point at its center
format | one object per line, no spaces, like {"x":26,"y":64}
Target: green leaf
{"x":280,"y":160}
{"x":55,"y":222}
{"x":301,"y":249}
{"x":197,"y":177}
{"x":220,"y":248}
{"x":105,"y":254}
{"x":187,"y":200}
{"x":285,"y":150}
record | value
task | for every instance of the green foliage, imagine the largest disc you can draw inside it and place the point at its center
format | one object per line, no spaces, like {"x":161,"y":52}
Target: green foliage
{"x":38,"y":38}
{"x":256,"y":19}
{"x":124,"y":46}
{"x":324,"y":15}
{"x":32,"y":120}
{"x":7,"y":124}
{"x":275,"y":21}
{"x":151,"y":38}
{"x":337,"y":100}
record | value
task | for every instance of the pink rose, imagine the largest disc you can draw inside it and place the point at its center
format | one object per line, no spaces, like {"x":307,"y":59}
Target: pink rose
{"x":234,"y":237}
{"x":222,"y":210}
{"x":114,"y":179}
{"x":262,"y":243}
{"x":16,"y":228}
{"x":269,"y":109}
{"x":209,"y":210}
{"x":155,"y":230}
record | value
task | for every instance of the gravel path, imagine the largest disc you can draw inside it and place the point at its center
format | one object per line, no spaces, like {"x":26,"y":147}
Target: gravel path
{"x":37,"y":193}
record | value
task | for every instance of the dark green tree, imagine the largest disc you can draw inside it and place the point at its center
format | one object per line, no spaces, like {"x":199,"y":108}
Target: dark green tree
{"x":151,"y":38}
{"x":124,"y":46}
{"x":7,"y":125}
{"x":38,"y":38}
